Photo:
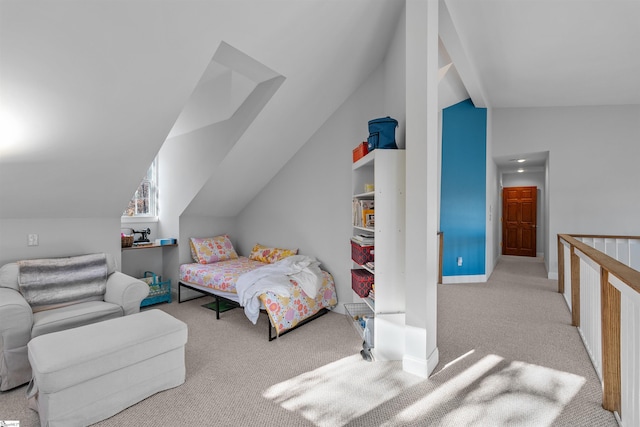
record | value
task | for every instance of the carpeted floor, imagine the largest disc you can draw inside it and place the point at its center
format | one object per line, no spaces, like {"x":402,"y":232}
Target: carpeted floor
{"x":508,"y":357}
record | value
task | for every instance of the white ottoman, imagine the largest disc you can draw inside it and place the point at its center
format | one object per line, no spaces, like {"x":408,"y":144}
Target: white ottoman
{"x":87,"y":374}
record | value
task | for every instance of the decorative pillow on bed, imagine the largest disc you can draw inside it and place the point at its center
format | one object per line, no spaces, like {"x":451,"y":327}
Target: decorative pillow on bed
{"x":270,"y":255}
{"x":212,"y":249}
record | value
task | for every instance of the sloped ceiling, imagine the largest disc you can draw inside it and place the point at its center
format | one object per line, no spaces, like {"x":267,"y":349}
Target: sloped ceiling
{"x":451,"y":90}
{"x":347,"y":48}
{"x":94,"y":88}
{"x":534,"y":53}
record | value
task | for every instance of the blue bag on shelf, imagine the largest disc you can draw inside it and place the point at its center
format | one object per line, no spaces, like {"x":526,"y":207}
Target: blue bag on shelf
{"x":382,"y":133}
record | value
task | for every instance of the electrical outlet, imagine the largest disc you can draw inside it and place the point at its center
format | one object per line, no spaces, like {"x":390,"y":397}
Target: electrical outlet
{"x":459,"y":261}
{"x":32,"y":240}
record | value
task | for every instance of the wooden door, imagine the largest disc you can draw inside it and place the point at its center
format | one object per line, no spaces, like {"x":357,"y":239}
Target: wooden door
{"x":519,"y":221}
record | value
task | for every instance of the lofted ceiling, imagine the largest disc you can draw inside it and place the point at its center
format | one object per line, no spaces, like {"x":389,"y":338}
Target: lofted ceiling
{"x":542,"y":53}
{"x":93,"y":88}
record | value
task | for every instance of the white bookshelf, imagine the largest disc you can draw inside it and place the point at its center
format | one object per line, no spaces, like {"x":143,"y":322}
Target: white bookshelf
{"x":386,"y":170}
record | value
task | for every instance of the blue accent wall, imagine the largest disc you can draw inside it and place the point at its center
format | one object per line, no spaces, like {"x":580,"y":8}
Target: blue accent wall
{"x":463,"y":189}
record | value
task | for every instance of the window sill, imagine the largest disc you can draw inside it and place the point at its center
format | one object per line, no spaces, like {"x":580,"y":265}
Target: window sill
{"x":138,"y":219}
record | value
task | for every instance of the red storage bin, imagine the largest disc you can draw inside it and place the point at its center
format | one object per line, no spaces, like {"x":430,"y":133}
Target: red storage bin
{"x":360,"y":151}
{"x":361,"y":254}
{"x":361,"y":282}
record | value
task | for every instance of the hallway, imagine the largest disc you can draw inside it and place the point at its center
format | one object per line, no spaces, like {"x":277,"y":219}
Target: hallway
{"x":512,"y":337}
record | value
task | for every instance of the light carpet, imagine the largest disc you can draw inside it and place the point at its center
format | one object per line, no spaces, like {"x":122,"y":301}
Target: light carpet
{"x":508,"y":357}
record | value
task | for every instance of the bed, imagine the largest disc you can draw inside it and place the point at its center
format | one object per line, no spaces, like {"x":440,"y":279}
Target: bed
{"x":290,"y":288}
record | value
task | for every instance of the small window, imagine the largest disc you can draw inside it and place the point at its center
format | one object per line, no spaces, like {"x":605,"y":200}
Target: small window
{"x":144,"y":202}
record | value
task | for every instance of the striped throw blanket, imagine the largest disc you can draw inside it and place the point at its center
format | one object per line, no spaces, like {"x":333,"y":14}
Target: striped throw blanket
{"x":45,"y":282}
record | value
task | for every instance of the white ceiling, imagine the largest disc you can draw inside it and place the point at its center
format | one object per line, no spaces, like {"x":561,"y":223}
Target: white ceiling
{"x":544,"y":53}
{"x":97,"y":86}
{"x":523,"y":162}
{"x":540,"y":53}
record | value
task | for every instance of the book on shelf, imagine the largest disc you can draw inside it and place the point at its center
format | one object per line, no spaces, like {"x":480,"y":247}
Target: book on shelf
{"x":368,"y":218}
{"x":362,"y":244}
{"x":364,"y":237}
{"x":370,"y":265}
{"x":363,"y":212}
{"x":363,"y":240}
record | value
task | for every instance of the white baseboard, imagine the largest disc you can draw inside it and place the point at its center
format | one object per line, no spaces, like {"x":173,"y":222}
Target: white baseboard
{"x":433,"y":360}
{"x":478,"y":278}
{"x":421,"y":367}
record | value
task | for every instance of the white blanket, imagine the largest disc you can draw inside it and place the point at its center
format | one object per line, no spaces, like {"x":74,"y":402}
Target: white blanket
{"x":275,"y":278}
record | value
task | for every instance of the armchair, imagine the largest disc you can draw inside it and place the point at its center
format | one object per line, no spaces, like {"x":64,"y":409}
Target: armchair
{"x":20,"y":321}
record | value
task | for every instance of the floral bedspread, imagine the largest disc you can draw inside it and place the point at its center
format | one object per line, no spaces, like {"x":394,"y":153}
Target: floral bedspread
{"x":221,"y":276}
{"x":285,"y":312}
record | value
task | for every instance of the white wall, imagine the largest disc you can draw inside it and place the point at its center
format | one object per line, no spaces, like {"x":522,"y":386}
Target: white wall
{"x":492,"y":233}
{"x":181,"y":175}
{"x":593,"y":165}
{"x":58,"y":237}
{"x":136,"y":261}
{"x":204,"y":226}
{"x":307,"y":205}
{"x":395,"y":81}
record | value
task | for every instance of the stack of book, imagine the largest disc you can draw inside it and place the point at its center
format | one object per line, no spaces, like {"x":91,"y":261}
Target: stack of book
{"x":363,"y":239}
{"x":363,"y":213}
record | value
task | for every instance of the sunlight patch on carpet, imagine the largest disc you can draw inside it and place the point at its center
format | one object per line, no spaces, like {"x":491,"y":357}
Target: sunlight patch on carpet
{"x":459,"y":359}
{"x":341,"y":391}
{"x":496,"y":393}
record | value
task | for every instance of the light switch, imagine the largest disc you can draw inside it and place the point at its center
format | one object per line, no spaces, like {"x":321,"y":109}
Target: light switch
{"x":32,"y":240}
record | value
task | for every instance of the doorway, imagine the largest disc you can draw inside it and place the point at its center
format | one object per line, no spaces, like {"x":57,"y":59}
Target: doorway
{"x":519,"y":207}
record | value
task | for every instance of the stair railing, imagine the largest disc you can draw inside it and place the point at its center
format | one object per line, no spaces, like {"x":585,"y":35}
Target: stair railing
{"x":599,"y":278}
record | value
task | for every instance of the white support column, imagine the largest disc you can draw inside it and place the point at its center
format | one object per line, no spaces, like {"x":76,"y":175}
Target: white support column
{"x":421,"y":352}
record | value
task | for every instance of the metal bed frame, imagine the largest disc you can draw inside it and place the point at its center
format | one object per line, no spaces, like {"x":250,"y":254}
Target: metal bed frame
{"x":217,"y":299}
